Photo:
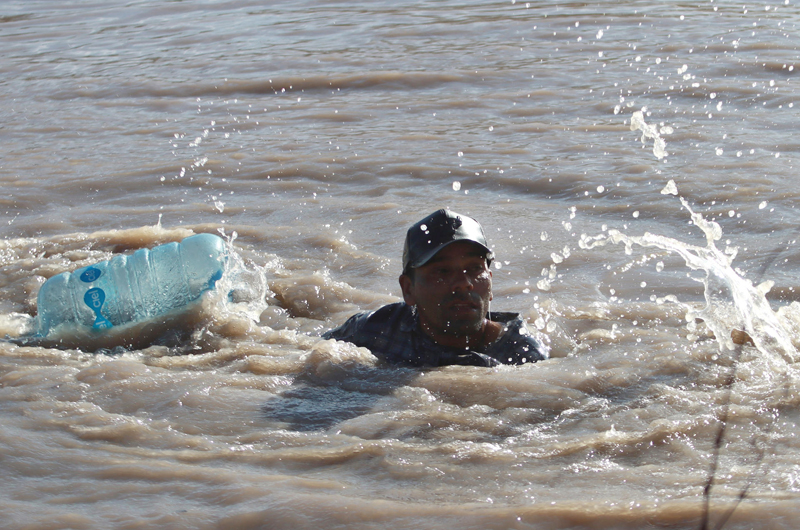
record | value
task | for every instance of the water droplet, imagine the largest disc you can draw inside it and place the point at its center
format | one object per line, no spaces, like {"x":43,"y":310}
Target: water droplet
{"x":670,"y":188}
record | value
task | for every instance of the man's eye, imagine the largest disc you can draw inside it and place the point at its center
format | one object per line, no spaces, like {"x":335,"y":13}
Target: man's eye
{"x":475,"y":270}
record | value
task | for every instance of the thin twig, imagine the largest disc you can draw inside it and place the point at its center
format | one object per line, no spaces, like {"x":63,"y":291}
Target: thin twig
{"x":704,"y":524}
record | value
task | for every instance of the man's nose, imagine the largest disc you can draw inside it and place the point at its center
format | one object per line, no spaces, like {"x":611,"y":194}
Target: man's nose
{"x":461,"y":281}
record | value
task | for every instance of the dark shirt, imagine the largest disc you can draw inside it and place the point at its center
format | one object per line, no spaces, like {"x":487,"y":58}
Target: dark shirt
{"x":393,"y":334}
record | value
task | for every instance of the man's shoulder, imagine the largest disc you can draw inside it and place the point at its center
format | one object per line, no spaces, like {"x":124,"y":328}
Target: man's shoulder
{"x":389,"y":312}
{"x":387,"y":332}
{"x":359,"y":322}
{"x":517,"y":345}
{"x":505,"y":317}
{"x":390,"y":333}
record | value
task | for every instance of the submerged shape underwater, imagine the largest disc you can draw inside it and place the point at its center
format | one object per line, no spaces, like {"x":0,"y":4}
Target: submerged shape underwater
{"x":631,"y":163}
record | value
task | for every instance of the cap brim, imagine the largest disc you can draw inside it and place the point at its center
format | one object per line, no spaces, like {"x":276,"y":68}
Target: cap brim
{"x":425,"y":258}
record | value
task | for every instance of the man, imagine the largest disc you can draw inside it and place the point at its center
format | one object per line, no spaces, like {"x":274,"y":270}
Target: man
{"x":445,"y":317}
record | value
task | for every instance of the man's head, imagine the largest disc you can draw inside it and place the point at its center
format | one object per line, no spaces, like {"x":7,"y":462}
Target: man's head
{"x":446,"y":277}
{"x":436,"y":231}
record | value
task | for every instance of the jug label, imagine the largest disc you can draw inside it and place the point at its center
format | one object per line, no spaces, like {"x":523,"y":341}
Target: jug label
{"x":214,"y":279}
{"x":90,"y":274}
{"x":95,"y":298}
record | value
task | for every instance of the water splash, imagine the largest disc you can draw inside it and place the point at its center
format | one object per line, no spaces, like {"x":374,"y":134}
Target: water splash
{"x":245,"y":284}
{"x":732,"y":302}
{"x":650,"y":132}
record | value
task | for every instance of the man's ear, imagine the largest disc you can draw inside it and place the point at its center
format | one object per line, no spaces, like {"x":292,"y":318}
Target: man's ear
{"x":406,"y":284}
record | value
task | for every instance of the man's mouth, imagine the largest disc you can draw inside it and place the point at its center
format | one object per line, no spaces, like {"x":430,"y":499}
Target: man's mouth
{"x":463,"y":305}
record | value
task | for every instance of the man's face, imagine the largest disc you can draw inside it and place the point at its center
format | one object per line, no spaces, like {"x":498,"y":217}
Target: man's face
{"x":451,"y":292}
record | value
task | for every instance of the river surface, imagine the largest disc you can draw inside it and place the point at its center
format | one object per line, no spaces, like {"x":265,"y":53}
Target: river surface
{"x":633,"y":164}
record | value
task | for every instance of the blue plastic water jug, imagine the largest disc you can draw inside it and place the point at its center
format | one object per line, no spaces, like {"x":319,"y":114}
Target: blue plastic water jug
{"x":132,"y":288}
